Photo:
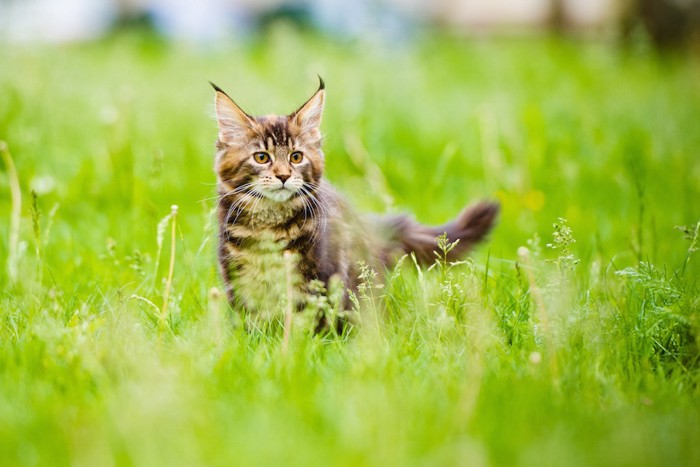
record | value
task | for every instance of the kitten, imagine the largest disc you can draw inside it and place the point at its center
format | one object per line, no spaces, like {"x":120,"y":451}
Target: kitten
{"x":273,"y":198}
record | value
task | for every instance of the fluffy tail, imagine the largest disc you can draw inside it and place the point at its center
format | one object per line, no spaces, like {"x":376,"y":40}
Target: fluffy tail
{"x":469,"y":228}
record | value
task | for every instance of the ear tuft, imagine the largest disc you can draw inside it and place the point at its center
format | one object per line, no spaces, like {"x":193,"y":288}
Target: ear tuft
{"x":216,"y":88}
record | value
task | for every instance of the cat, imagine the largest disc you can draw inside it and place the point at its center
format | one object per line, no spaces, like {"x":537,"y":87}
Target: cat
{"x":273,"y":198}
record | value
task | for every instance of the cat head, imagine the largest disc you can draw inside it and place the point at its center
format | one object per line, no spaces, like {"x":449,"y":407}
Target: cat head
{"x":276,"y":157}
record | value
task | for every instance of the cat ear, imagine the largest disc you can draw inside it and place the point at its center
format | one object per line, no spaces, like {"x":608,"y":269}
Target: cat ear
{"x":309,"y":115}
{"x":233,"y":122}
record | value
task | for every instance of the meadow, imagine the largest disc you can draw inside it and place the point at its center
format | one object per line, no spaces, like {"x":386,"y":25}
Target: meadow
{"x":571,"y":338}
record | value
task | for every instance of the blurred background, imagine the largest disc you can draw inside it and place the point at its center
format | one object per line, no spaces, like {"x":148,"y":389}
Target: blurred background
{"x":583,"y":109}
{"x":667,"y":22}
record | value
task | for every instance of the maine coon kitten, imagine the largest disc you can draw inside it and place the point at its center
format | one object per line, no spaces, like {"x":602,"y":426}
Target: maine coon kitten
{"x":273,"y":198}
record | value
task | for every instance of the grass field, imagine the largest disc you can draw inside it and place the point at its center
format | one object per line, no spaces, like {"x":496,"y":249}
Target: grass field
{"x":585,"y":352}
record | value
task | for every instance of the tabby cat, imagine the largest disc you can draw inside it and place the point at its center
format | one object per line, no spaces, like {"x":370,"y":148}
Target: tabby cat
{"x":273,"y":199}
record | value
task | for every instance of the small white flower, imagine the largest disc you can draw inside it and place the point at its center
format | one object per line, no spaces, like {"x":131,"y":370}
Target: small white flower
{"x":43,"y":184}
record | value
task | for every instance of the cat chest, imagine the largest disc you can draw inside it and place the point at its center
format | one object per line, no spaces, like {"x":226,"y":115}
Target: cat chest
{"x":259,"y":271}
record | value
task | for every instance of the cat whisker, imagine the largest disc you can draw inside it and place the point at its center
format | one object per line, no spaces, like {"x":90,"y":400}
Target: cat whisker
{"x":320,"y":198}
{"x":222,"y":196}
{"x":238,"y":206}
{"x":308,"y":207}
{"x":314,"y":204}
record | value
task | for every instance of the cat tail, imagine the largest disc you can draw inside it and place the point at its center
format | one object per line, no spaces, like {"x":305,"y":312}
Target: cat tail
{"x":469,"y":228}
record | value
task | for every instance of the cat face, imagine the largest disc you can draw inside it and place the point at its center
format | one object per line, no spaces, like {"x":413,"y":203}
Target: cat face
{"x":278,"y":158}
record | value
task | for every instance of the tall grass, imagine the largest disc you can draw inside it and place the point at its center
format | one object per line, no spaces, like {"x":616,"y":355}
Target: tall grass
{"x":570,"y":338}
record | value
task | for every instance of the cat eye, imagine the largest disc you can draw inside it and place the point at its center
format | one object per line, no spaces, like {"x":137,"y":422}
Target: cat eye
{"x":261,"y":157}
{"x":296,"y":157}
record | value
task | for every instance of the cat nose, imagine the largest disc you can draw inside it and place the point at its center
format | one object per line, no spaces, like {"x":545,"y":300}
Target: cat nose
{"x":283,"y":177}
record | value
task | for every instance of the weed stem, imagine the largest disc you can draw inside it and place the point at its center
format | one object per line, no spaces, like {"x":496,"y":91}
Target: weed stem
{"x":524,"y":258}
{"x":171,"y":268}
{"x":15,"y":213}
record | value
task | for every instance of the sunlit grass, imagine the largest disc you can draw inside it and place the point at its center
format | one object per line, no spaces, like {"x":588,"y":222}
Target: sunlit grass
{"x":584,"y":352}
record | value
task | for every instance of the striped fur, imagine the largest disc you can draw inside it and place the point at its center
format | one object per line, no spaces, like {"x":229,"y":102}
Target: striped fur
{"x":273,"y":198}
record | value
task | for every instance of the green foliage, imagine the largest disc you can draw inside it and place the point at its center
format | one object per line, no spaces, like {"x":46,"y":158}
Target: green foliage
{"x":666,"y":315}
{"x":585,"y":353}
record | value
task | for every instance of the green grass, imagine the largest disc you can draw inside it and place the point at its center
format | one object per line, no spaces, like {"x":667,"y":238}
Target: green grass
{"x":585,"y":354}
